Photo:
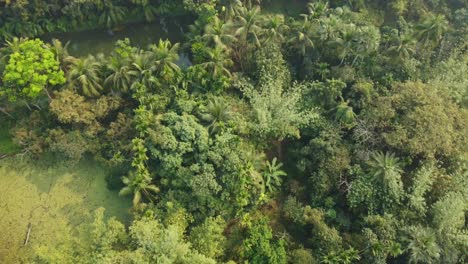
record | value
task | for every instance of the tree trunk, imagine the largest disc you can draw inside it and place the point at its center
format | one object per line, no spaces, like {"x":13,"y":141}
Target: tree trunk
{"x":279,"y":148}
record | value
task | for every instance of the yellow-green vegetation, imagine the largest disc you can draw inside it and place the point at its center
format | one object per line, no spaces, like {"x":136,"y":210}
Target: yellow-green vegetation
{"x":55,"y":201}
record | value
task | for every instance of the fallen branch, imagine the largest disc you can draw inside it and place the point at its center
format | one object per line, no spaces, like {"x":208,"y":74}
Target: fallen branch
{"x":27,"y":235}
{"x":3,"y":110}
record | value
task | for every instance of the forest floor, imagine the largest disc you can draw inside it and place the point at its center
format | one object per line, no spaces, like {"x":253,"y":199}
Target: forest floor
{"x":54,"y":201}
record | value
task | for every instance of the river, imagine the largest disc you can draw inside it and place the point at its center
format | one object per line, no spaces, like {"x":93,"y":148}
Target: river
{"x":140,"y":34}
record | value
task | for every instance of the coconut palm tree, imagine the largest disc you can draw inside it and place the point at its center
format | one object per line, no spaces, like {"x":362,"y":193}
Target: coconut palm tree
{"x":274,"y":28}
{"x":302,"y":37}
{"x":83,"y":75}
{"x":383,"y":164}
{"x":218,"y":34}
{"x":111,"y":15}
{"x":148,"y":10}
{"x":142,"y":68}
{"x":61,"y":53}
{"x":230,"y":8}
{"x":422,"y":245}
{"x":345,"y":42}
{"x":217,"y":63}
{"x":120,"y":76}
{"x":248,"y":25}
{"x":317,"y":8}
{"x":216,"y":112}
{"x":386,"y":170}
{"x":165,"y":57}
{"x":272,"y":174}
{"x":404,"y":47}
{"x":139,"y":185}
{"x":432,"y":29}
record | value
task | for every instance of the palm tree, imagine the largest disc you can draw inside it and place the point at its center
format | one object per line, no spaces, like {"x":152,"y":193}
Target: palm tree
{"x":120,"y":76}
{"x":248,"y":25}
{"x":404,"y":47}
{"x":345,"y":114}
{"x":217,"y":63}
{"x":83,"y":75}
{"x":317,"y":8}
{"x":386,"y":170}
{"x":322,"y":69}
{"x":432,"y":29}
{"x":10,"y":48}
{"x":61,"y":53}
{"x":111,"y":15}
{"x":346,"y":42}
{"x":138,"y":184}
{"x":230,"y":8}
{"x":142,"y":68}
{"x":217,"y":34}
{"x":272,"y":174}
{"x":274,"y":28}
{"x":302,"y":39}
{"x":422,"y":246}
{"x":216,"y":112}
{"x":383,"y":164}
{"x":148,"y":10}
{"x":165,"y":57}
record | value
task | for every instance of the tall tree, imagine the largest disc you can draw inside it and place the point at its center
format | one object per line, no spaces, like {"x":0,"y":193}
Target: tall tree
{"x":302,"y":36}
{"x":248,"y":26}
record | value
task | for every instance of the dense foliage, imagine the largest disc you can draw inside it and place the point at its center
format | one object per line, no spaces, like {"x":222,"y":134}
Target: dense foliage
{"x":334,"y":135}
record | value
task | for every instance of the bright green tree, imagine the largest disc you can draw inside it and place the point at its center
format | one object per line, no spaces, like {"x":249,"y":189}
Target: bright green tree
{"x":32,"y":68}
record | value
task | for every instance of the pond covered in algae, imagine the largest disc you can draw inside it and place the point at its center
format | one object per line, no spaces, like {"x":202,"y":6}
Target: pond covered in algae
{"x":53,"y":201}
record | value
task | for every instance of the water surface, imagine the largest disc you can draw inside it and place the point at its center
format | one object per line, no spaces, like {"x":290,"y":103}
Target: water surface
{"x":140,"y":34}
